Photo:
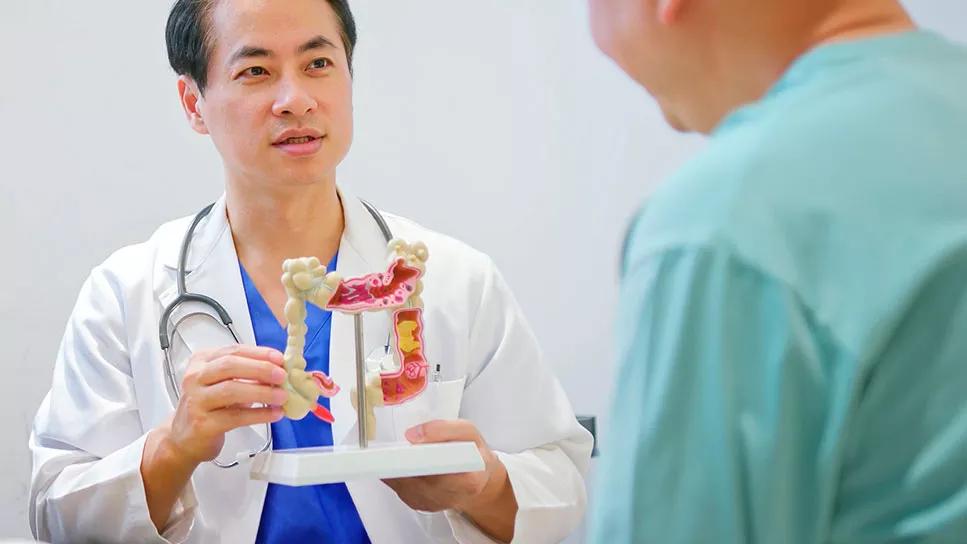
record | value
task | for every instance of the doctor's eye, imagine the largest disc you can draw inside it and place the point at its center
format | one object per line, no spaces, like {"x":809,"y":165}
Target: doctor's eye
{"x":320,"y":64}
{"x":254,"y":71}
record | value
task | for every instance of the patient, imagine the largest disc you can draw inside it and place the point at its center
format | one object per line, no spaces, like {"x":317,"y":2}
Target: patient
{"x":792,"y":336}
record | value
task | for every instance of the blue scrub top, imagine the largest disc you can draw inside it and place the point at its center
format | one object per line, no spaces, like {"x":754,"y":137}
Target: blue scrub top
{"x":321,"y":513}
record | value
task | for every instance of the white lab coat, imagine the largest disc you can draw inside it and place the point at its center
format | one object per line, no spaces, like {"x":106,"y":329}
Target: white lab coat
{"x":109,"y":390}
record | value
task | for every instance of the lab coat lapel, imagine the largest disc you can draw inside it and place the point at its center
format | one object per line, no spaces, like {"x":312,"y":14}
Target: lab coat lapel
{"x":362,"y":250}
{"x":213,"y":271}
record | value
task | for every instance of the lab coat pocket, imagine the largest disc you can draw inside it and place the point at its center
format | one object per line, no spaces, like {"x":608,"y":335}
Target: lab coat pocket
{"x":440,"y":400}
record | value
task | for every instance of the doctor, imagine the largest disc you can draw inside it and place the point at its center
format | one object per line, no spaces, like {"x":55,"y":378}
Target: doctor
{"x":117,"y":460}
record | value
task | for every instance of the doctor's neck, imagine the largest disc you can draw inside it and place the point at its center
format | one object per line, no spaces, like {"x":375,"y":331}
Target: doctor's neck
{"x":273,"y":223}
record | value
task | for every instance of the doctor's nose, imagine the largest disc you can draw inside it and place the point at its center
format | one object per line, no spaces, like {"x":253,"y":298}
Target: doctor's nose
{"x":293,"y":100}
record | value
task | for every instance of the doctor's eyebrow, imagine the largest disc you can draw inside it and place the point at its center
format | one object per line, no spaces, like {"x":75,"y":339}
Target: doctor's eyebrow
{"x":249,"y":51}
{"x":319,"y":42}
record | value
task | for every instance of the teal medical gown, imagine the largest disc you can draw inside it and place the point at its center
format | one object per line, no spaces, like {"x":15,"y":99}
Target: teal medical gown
{"x":792,"y":332}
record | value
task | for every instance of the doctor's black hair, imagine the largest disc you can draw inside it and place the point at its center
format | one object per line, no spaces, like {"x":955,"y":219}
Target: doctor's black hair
{"x":190,"y":41}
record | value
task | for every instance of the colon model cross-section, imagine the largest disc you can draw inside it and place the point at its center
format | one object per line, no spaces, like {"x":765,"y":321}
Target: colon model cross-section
{"x":397,"y":290}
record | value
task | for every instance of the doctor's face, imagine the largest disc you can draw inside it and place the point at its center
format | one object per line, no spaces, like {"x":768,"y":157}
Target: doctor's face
{"x":278,"y":102}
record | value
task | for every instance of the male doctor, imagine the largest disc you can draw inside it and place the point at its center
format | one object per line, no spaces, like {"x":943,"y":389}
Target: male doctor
{"x":116,"y":460}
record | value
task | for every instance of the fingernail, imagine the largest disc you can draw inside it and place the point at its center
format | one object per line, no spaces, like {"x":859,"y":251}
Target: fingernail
{"x":414,"y":434}
{"x":276,"y":357}
{"x":278,"y":375}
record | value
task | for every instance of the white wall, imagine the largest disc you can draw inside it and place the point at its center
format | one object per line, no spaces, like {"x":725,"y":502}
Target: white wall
{"x":497,"y":122}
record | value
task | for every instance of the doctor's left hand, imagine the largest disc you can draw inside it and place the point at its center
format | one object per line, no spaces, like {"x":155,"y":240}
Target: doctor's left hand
{"x":486,"y":497}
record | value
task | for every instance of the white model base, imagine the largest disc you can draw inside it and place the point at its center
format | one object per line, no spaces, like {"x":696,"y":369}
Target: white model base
{"x":311,"y":466}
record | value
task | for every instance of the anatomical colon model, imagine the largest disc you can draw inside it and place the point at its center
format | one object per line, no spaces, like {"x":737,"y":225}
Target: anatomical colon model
{"x":397,"y":291}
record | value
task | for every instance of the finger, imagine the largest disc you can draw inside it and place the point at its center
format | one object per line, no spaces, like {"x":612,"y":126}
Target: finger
{"x":229,"y":419}
{"x":261,"y":353}
{"x":423,"y":483}
{"x":407,"y":482}
{"x":413,"y":495}
{"x":230,"y":393}
{"x":456,"y":430}
{"x":447,"y":484}
{"x":238,"y":367}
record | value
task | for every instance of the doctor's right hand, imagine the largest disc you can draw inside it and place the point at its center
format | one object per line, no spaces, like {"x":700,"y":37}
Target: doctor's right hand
{"x":218,"y":392}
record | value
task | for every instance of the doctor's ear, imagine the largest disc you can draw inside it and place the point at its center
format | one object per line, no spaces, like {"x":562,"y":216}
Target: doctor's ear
{"x":192,"y":102}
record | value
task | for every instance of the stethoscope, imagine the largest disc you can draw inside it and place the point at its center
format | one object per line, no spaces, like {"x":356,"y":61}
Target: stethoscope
{"x":226,"y":320}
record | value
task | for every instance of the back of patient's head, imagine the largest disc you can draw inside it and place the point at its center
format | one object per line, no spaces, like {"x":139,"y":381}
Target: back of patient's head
{"x":698,"y":56}
{"x":190,"y":38}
